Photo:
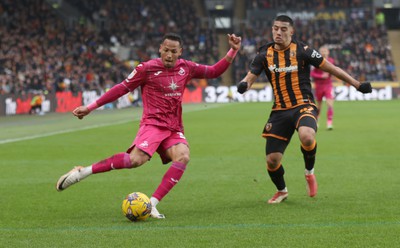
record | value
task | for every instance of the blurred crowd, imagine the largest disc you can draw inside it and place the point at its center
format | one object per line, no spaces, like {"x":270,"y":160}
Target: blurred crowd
{"x":359,"y":44}
{"x":40,"y":50}
{"x":302,"y":5}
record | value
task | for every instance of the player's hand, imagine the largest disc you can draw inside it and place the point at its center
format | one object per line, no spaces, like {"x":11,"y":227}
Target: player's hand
{"x":81,"y":112}
{"x":365,"y":87}
{"x":234,"y":41}
{"x":242,"y":87}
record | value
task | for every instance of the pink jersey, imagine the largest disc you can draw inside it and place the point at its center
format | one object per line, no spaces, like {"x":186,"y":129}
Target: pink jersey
{"x":317,"y":75}
{"x":162,"y":89}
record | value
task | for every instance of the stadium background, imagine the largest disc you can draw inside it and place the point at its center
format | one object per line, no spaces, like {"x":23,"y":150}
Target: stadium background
{"x":71,"y":51}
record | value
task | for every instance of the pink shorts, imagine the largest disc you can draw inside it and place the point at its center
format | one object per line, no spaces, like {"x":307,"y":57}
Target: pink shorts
{"x":151,"y":139}
{"x":323,"y":90}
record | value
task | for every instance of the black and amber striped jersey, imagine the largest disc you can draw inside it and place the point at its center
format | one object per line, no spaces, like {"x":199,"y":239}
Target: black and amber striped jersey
{"x":288,"y":71}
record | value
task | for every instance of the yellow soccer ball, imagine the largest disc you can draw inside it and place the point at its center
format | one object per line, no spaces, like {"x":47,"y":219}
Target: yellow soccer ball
{"x":136,"y":206}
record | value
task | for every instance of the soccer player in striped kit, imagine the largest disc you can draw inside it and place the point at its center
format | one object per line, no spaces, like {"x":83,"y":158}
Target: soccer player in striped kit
{"x":286,"y":62}
{"x":162,"y":83}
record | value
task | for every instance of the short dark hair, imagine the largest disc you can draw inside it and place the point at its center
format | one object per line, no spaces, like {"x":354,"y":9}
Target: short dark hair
{"x":284,"y":18}
{"x":172,"y":36}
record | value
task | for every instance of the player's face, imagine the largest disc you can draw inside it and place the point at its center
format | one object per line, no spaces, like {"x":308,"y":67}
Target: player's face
{"x":170,"y":50}
{"x":324,"y":52}
{"x":282,"y":34}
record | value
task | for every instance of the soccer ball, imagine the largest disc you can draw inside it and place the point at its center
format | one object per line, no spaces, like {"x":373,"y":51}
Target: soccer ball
{"x":136,"y":206}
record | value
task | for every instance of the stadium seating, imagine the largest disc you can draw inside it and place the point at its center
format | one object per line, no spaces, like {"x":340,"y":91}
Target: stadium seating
{"x":41,"y":49}
{"x":357,"y":43}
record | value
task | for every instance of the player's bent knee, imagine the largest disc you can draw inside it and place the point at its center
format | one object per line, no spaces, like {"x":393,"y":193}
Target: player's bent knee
{"x":138,"y":161}
{"x":307,"y":141}
{"x":273,"y":162}
{"x":184,"y":159}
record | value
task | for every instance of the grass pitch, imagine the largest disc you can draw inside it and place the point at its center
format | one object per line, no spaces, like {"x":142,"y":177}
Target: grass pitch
{"x":221,"y":199}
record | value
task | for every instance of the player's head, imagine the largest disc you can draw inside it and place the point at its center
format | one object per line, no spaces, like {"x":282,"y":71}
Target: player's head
{"x":324,"y":51}
{"x":282,"y":30}
{"x":170,"y":49}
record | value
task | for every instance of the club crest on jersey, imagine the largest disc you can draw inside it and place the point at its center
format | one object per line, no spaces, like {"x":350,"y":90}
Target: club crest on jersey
{"x":181,"y":71}
{"x":268,"y":127}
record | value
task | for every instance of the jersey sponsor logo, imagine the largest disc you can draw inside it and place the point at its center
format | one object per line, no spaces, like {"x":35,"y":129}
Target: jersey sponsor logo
{"x":173,"y":86}
{"x":181,"y":71}
{"x":173,"y":94}
{"x":291,"y":68}
{"x":315,"y":54}
{"x":157,"y":73}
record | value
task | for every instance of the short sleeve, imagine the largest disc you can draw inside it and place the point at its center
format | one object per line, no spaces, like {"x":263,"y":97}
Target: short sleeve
{"x":314,"y":57}
{"x":256,"y":65}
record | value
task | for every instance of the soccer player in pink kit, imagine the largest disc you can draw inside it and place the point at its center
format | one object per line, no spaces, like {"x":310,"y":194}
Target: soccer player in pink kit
{"x":162,"y":83}
{"x":324,"y":88}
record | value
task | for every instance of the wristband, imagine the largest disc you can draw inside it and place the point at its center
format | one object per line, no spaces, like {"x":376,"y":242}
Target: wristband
{"x":92,"y":106}
{"x":232,"y":53}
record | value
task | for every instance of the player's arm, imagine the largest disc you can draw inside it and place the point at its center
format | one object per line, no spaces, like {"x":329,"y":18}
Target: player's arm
{"x":246,"y":82}
{"x":111,"y":95}
{"x":134,"y":80}
{"x":216,"y":70}
{"x":364,"y":87}
{"x":256,"y":67}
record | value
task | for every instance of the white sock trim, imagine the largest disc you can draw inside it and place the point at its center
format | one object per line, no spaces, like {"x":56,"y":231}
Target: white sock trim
{"x":85,"y":172}
{"x":154,"y":201}
{"x":309,"y":172}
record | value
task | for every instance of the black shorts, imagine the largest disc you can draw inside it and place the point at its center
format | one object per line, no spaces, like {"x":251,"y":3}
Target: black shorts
{"x":282,"y":123}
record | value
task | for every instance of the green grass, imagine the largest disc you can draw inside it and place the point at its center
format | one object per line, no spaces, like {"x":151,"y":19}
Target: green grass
{"x":221,"y":200}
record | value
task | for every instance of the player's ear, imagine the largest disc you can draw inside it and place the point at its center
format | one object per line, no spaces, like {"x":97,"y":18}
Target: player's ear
{"x":180,"y":51}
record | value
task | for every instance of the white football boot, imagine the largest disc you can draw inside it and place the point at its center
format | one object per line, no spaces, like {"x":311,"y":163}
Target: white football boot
{"x":70,"y":178}
{"x":155,"y":214}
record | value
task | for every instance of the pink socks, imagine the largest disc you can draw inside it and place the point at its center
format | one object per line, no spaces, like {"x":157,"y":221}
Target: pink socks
{"x":171,"y":177}
{"x":117,"y":161}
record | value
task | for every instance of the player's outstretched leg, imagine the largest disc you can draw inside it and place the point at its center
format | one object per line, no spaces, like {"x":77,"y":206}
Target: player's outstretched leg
{"x":170,"y":179}
{"x":73,"y":176}
{"x":117,"y":161}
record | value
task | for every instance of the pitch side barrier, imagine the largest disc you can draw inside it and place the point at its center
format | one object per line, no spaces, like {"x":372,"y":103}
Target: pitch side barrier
{"x":260,"y":92}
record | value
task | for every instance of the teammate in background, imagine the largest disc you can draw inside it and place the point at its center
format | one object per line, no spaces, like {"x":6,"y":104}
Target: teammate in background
{"x":162,"y":83}
{"x":36,"y":104}
{"x":286,"y":62}
{"x":324,"y":88}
